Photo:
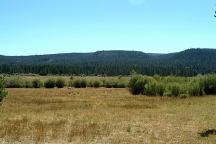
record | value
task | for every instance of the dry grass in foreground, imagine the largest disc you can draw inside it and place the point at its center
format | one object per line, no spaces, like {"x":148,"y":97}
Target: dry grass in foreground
{"x":104,"y":116}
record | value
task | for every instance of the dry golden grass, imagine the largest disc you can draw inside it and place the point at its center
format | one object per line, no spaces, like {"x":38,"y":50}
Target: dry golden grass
{"x":104,"y":116}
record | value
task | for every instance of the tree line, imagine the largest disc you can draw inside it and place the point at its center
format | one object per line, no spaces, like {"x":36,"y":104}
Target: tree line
{"x":106,"y":69}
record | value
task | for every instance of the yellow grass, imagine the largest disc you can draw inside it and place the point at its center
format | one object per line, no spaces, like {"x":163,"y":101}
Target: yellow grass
{"x":104,"y":116}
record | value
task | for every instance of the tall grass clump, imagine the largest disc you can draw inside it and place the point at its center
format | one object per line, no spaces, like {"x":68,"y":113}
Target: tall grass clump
{"x":60,"y":83}
{"x":3,"y":93}
{"x":36,"y":83}
{"x":50,"y":83}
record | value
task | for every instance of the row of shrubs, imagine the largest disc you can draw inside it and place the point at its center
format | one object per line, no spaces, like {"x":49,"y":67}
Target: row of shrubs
{"x":3,"y":93}
{"x":36,"y":83}
{"x":17,"y":82}
{"x":194,"y":86}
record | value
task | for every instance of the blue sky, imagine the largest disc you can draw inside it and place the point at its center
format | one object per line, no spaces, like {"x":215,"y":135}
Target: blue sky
{"x":29,"y":27}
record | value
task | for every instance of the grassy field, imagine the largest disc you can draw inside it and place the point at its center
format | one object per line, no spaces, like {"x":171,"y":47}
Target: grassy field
{"x":104,"y":116}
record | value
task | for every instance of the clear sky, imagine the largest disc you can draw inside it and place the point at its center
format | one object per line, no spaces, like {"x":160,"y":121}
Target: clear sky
{"x":29,"y":27}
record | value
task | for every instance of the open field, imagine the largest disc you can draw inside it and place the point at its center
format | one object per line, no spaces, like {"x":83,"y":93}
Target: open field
{"x":104,"y":116}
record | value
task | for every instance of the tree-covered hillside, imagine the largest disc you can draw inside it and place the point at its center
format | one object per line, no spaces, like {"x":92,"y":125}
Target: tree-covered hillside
{"x":186,"y":63}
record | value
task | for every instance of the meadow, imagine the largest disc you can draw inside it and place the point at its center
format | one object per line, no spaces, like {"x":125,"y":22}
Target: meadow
{"x":90,"y":115}
{"x":95,"y":109}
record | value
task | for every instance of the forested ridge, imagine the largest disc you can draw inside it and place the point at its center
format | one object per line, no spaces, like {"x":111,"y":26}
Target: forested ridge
{"x":185,"y":63}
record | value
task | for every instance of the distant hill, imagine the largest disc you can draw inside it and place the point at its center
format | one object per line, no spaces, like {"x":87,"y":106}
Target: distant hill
{"x":186,"y":63}
{"x":74,"y":58}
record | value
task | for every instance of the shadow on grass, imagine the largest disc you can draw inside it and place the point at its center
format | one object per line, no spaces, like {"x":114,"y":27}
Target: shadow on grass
{"x":208,"y":132}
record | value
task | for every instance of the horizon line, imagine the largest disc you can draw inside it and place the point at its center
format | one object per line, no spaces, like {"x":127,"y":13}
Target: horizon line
{"x":101,"y":51}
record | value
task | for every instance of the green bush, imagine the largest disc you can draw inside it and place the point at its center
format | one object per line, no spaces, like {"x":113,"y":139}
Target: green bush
{"x":70,"y":83}
{"x":96,"y":84}
{"x":60,"y":83}
{"x":28,"y":84}
{"x":175,"y":89}
{"x":134,"y":86}
{"x":90,"y":84}
{"x":80,"y":83}
{"x":83,"y":83}
{"x":154,"y":88}
{"x":157,"y":77}
{"x":115,"y":84}
{"x":167,"y":92}
{"x":137,"y":84}
{"x":71,"y":78}
{"x":121,"y":84}
{"x":15,"y":82}
{"x":150,"y":88}
{"x":108,"y":84}
{"x":160,"y":89}
{"x":77,"y":84}
{"x":3,"y":93}
{"x":172,"y":89}
{"x":50,"y":83}
{"x":209,"y":84}
{"x":173,"y":86}
{"x":195,"y":89}
{"x":36,"y":83}
{"x":118,"y":84}
{"x":138,"y":87}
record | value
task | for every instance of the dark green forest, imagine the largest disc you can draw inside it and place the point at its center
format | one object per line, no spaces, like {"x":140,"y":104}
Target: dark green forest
{"x":111,"y":63}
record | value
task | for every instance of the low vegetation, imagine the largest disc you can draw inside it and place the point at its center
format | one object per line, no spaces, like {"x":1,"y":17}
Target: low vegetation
{"x":138,"y":84}
{"x":173,"y":86}
{"x":36,"y":81}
